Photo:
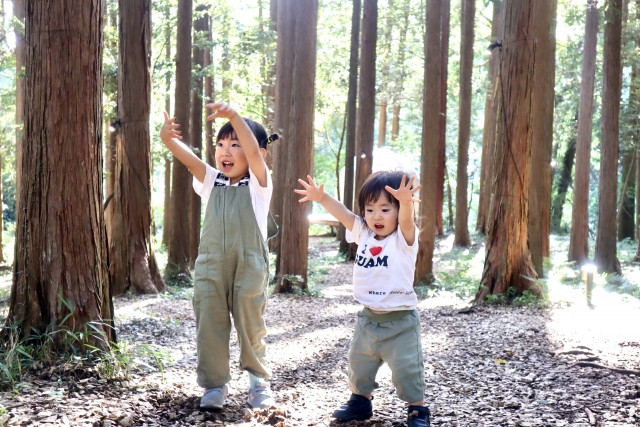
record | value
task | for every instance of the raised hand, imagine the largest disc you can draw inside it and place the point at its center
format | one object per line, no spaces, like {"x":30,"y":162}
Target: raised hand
{"x":170,"y":129}
{"x":223,"y":110}
{"x":311,"y":191}
{"x":404,"y":194}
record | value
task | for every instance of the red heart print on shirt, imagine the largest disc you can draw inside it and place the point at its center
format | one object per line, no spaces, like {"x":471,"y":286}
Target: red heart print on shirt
{"x":375,"y":250}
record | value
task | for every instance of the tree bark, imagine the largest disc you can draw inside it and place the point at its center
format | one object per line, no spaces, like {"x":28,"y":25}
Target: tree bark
{"x":366,"y":97}
{"x":579,"y":240}
{"x":605,"y":254}
{"x":395,"y":122}
{"x":442,"y":141}
{"x":132,"y":263}
{"x":200,"y":28}
{"x":293,"y":257}
{"x":19,"y":14}
{"x":626,"y":211}
{"x":489,"y":130}
{"x":542,"y":137}
{"x":60,"y":279}
{"x":382,"y":123}
{"x":564,"y":181}
{"x":209,"y":96}
{"x":178,"y":257}
{"x":430,"y":142}
{"x":166,"y":219}
{"x":110,"y":177}
{"x":508,"y":261}
{"x":468,"y":12}
{"x":350,"y":146}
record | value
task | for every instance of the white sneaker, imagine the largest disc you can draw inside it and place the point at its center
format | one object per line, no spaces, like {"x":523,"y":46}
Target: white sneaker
{"x":260,"y":396}
{"x":213,"y":398}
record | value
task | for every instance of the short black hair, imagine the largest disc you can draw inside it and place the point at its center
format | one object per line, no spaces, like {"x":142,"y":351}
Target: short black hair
{"x":375,"y":185}
{"x":227,"y":132}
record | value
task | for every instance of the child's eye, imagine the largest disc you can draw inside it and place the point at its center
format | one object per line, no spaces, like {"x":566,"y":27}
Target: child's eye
{"x":385,"y":210}
{"x":235,"y":145}
{"x":369,"y":210}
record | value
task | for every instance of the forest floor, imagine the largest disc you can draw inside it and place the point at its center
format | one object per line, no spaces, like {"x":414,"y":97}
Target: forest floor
{"x":493,"y":365}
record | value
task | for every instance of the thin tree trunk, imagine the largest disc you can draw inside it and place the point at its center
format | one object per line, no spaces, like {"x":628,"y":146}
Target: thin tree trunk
{"x":200,"y":28}
{"x":430,"y":142}
{"x":166,"y":219}
{"x":293,"y":257}
{"x":178,"y":257}
{"x":19,"y":14}
{"x":209,"y":96}
{"x":542,"y":136}
{"x":489,"y":130}
{"x":132,"y":263}
{"x":350,"y":147}
{"x":626,"y":210}
{"x":110,"y":177}
{"x":563,"y":185}
{"x":468,"y":12}
{"x":442,"y":141}
{"x":395,"y":122}
{"x":366,"y":97}
{"x":508,"y":261}
{"x":382,"y":123}
{"x":579,"y":240}
{"x":605,"y":254}
{"x":401,"y":70}
{"x":60,"y":277}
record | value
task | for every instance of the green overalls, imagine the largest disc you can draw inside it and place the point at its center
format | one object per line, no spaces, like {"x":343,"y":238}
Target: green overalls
{"x":231,"y":275}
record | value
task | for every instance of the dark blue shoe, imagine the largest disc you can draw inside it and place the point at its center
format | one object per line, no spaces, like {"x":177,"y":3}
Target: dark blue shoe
{"x":357,"y":408}
{"x":419,"y":416}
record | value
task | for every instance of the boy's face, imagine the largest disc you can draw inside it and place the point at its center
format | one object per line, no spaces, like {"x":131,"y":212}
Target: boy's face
{"x":231,"y":160}
{"x":381,"y":216}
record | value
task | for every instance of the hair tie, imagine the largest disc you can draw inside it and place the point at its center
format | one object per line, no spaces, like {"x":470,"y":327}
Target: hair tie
{"x":273,"y":137}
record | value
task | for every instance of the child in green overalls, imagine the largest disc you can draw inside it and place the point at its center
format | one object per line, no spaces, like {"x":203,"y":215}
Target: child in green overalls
{"x":232,"y":268}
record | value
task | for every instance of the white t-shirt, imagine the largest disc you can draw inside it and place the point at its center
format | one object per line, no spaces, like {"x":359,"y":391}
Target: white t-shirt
{"x":260,"y":196}
{"x":384,"y":269}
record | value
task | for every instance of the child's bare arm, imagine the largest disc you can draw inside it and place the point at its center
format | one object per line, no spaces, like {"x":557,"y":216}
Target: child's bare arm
{"x":246,"y":139}
{"x":170,"y":136}
{"x":404,"y":194}
{"x":333,"y":206}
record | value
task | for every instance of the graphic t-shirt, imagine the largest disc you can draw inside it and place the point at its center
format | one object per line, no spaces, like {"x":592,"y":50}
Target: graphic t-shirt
{"x":260,"y":196}
{"x":384,"y":269}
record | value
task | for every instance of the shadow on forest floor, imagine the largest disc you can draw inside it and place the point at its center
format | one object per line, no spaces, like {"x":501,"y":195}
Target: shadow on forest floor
{"x":490,"y":366}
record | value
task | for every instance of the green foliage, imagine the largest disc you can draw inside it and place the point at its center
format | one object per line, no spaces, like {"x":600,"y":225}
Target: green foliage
{"x":125,"y":358}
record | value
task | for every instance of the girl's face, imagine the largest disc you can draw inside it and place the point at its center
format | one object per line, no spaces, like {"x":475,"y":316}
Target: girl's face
{"x":231,"y":160}
{"x":381,"y":216}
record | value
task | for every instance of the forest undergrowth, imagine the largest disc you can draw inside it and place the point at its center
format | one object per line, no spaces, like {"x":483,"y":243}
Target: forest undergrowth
{"x":551,"y":362}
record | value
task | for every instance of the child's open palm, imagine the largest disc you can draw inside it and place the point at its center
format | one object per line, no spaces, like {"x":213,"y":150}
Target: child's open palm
{"x":311,"y":191}
{"x":405,"y":193}
{"x":223,"y":110}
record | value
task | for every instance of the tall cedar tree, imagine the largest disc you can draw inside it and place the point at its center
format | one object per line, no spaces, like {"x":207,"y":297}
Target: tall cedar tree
{"x":350,"y":149}
{"x":60,"y":272}
{"x":430,"y":138}
{"x":293,"y":255}
{"x":200,"y":27}
{"x":605,"y":254}
{"x":209,"y":96}
{"x":284,"y":76}
{"x":489,"y":130}
{"x":384,"y":81}
{"x":579,"y":240}
{"x":178,"y":259}
{"x":626,"y":208}
{"x":132,"y":263}
{"x":542,"y":135}
{"x":445,"y":26}
{"x":270,"y":83}
{"x":366,"y":96}
{"x":18,"y":13}
{"x":564,"y":181}
{"x":112,"y":127}
{"x":166,"y":219}
{"x":468,"y":12}
{"x":508,"y":261}
{"x":635,"y":103}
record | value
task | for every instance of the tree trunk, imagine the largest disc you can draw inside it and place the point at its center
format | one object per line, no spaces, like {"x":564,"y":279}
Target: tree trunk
{"x":508,"y":261}
{"x":542,"y":136}
{"x":284,"y":86}
{"x":605,"y":255}
{"x":442,"y":141}
{"x":209,"y":96}
{"x":401,"y":70}
{"x":626,"y":223}
{"x":132,"y":263}
{"x":293,"y":257}
{"x":200,"y":28}
{"x":395,"y":122}
{"x":382,"y":123}
{"x":178,"y":257}
{"x":430,"y":142}
{"x":564,"y":181}
{"x":468,"y":12}
{"x":350,"y":146}
{"x":19,"y":15}
{"x":60,"y":277}
{"x":366,"y":97}
{"x":489,"y":130}
{"x":110,"y":177}
{"x":579,"y":240}
{"x":166,"y":219}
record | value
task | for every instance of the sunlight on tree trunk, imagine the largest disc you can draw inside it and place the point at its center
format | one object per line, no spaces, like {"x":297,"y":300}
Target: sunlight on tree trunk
{"x":442,"y":140}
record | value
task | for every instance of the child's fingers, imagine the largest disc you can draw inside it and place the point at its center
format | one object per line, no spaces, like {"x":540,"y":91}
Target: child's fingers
{"x":303,"y":199}
{"x":297,"y":191}
{"x":413,"y":199}
{"x":304,"y":184}
{"x":413,"y":190}
{"x":411,"y":181}
{"x":166,"y":116}
{"x":390,"y":190}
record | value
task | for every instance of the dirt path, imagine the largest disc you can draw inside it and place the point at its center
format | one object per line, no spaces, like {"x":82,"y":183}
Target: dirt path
{"x":491,"y":366}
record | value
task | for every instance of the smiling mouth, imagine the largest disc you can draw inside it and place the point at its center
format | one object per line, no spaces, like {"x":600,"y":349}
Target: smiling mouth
{"x":379,"y":226}
{"x":227,"y":165}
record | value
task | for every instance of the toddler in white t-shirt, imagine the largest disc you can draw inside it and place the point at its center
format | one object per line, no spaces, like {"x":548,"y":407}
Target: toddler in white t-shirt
{"x":388,"y":328}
